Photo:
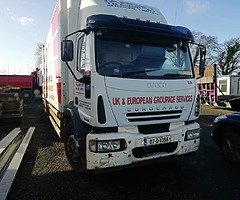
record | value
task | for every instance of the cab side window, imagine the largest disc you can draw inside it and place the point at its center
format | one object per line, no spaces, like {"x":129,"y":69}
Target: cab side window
{"x":81,"y":53}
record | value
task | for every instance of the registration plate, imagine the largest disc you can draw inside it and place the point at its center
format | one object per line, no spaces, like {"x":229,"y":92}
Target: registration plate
{"x":157,"y":140}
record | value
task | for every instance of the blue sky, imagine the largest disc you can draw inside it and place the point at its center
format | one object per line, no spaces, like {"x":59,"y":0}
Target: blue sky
{"x":24,"y":23}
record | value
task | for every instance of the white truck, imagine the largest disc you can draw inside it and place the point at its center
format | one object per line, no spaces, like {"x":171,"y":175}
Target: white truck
{"x":119,"y":84}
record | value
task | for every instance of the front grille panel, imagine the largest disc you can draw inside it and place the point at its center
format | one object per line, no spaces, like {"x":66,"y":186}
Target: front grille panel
{"x":141,"y":152}
{"x":154,"y":128}
{"x":153,"y":116}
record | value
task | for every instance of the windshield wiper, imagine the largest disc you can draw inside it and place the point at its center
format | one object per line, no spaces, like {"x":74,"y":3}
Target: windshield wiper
{"x":169,"y":75}
{"x":126,"y":74}
{"x":175,"y":76}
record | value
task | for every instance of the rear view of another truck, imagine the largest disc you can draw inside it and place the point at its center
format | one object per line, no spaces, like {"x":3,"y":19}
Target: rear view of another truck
{"x":29,"y":85}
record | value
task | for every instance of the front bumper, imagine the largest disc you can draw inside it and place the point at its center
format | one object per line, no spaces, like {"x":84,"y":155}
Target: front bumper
{"x":136,"y":143}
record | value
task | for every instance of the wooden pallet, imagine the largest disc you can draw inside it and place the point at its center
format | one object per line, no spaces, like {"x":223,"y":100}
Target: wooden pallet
{"x":11,"y":109}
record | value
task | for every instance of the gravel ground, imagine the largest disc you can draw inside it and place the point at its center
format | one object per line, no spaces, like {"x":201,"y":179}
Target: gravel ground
{"x":45,"y":173}
{"x":214,"y":111}
{"x":44,"y":156}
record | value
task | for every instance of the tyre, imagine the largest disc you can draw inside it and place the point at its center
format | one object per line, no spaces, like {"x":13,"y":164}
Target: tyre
{"x":230,"y":147}
{"x":26,"y":95}
{"x":75,"y":150}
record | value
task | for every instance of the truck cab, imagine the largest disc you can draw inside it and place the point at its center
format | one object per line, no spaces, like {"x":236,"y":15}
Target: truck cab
{"x":131,"y":93}
{"x":137,"y":92}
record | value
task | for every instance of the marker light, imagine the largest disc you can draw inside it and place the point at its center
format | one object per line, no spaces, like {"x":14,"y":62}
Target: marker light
{"x":192,"y":134}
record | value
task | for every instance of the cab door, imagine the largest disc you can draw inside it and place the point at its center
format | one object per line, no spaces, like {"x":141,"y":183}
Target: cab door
{"x":82,"y":91}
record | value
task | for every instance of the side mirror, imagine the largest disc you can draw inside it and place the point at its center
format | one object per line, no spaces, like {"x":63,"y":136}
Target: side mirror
{"x":67,"y":50}
{"x":202,"y":61}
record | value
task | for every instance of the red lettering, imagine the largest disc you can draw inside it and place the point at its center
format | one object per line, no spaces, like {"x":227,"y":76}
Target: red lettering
{"x":164,"y":99}
{"x":116,"y":101}
{"x":139,"y":100}
{"x":187,"y":98}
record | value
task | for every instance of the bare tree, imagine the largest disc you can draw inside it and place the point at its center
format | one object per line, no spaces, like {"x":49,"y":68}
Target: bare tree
{"x":38,"y":54}
{"x":229,"y":58}
{"x":212,"y":46}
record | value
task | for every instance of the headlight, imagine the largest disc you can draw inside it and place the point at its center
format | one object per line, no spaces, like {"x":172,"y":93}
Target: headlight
{"x":107,"y":145}
{"x":221,"y":117}
{"x":192,"y":134}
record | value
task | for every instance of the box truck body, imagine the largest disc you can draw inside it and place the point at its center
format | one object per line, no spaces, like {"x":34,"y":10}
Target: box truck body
{"x":130,"y":93}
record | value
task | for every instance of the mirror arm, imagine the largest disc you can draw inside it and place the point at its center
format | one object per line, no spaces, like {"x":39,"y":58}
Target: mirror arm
{"x":200,"y":77}
{"x":86,"y":31}
{"x":83,"y":79}
{"x":74,"y":76}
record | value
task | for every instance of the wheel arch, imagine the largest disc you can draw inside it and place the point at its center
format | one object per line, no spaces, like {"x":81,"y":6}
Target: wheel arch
{"x":223,"y":126}
{"x":80,"y":128}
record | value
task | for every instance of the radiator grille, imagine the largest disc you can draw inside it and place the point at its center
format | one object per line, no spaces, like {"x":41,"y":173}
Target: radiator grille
{"x":154,"y":128}
{"x":152,"y":116}
{"x":140,"y":152}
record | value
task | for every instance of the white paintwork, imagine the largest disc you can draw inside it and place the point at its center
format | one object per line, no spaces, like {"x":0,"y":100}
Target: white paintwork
{"x":141,"y":88}
{"x":72,"y":17}
{"x":120,"y":9}
{"x":123,"y":158}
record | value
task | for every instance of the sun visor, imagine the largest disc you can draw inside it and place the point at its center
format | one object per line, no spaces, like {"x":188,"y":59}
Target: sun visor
{"x":114,"y":22}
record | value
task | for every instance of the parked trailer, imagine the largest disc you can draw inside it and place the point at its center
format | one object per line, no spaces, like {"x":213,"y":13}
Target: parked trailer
{"x":124,"y":92}
{"x":30,"y":85}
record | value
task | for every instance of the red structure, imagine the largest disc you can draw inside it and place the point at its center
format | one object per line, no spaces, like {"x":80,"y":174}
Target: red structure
{"x":207,"y":93}
{"x":22,"y":81}
{"x":207,"y":85}
{"x":28,"y":84}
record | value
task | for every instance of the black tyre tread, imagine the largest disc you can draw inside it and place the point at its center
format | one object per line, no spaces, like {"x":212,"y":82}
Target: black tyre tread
{"x":225,"y":133}
{"x":79,"y":166}
{"x":24,"y":92}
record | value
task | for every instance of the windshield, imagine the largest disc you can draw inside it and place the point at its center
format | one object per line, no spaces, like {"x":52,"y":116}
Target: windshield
{"x":139,"y":55}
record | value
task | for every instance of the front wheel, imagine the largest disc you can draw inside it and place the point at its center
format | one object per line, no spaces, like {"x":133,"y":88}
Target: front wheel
{"x":75,"y":150}
{"x":230,"y":146}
